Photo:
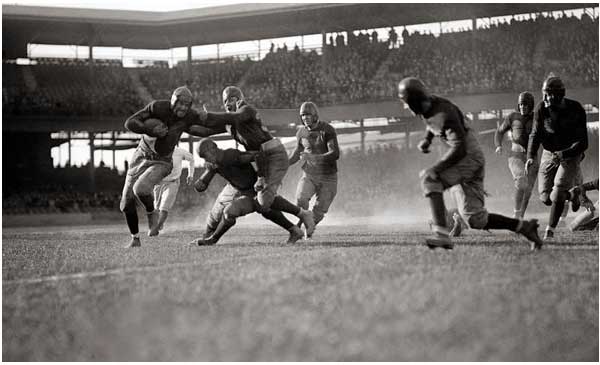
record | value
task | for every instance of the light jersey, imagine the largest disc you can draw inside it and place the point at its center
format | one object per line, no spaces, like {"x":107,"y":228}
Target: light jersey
{"x":179,"y":154}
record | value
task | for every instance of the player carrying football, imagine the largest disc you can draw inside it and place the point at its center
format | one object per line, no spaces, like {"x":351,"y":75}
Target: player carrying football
{"x":462,"y":167}
{"x":152,"y":160}
{"x":317,"y":147}
{"x":519,"y":124}
{"x":559,"y":125}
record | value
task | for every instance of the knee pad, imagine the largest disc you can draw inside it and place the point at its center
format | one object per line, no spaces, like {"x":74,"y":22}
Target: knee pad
{"x":558,"y":195}
{"x":476,"y":221}
{"x":545,"y":198}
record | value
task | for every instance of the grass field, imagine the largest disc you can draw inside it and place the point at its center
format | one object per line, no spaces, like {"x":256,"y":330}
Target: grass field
{"x":365,"y":293}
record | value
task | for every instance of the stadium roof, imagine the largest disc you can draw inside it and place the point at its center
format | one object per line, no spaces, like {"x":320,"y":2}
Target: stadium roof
{"x":231,"y":23}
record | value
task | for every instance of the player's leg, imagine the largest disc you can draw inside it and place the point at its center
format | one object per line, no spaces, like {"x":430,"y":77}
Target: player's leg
{"x":129,"y":209}
{"x":215,"y":216}
{"x":278,"y":218}
{"x":325,"y":193}
{"x":564,"y":179}
{"x":168,"y":196}
{"x":516,"y":164}
{"x":433,"y":190}
{"x":531,"y":178}
{"x":143,"y":187}
{"x":304,"y":192}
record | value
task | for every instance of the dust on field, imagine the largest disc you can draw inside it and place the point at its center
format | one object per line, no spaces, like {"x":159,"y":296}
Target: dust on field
{"x":365,"y":293}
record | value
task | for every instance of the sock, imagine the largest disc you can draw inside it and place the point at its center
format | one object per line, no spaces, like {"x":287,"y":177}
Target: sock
{"x":282,"y":204}
{"x":525,"y":201}
{"x":497,"y":221}
{"x":438,"y":209}
{"x":131,"y":218}
{"x":222,"y":228}
{"x":278,"y":218}
{"x":556,"y":211}
{"x":519,"y":193}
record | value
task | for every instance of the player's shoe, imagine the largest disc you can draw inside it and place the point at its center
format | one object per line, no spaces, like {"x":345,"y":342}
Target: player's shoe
{"x":575,"y":202}
{"x":135,"y":242}
{"x":295,"y":235}
{"x":308,"y":219}
{"x":456,"y":226}
{"x":204,"y":241}
{"x":548,"y":235}
{"x":529,"y":229}
{"x":439,"y":240}
{"x":153,"y":224}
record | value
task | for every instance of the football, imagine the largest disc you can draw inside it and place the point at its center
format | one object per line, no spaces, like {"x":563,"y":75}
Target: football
{"x":153,"y":122}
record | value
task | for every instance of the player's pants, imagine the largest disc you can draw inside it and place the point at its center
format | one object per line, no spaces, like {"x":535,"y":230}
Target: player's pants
{"x":231,"y":203}
{"x":165,"y":194}
{"x":143,"y":174}
{"x":556,"y":176}
{"x":324,"y":187}
{"x":277,"y":164}
{"x":516,"y":164}
{"x":465,"y":181}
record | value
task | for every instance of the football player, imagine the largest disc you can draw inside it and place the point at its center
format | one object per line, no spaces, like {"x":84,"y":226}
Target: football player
{"x":152,"y":160}
{"x":317,"y":147}
{"x":519,"y":124}
{"x":238,"y":197}
{"x":165,"y":193}
{"x":588,"y":219}
{"x":243,"y":122}
{"x":462,"y":167}
{"x":559,"y":125}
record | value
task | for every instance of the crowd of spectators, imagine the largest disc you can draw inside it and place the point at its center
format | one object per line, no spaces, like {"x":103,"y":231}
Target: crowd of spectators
{"x":499,"y":57}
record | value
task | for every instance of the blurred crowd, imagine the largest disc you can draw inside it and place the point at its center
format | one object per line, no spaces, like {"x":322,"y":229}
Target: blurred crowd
{"x":498,"y":57}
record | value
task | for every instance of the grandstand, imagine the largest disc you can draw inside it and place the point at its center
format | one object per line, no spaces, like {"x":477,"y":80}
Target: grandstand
{"x":353,"y":77}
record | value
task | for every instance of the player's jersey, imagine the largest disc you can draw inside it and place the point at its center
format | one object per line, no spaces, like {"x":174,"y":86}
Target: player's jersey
{"x":249,"y":130}
{"x":240,"y":175}
{"x":162,"y":148}
{"x":315,"y":142}
{"x":563,"y":129}
{"x":519,"y":126}
{"x":179,"y":154}
{"x":445,"y":120}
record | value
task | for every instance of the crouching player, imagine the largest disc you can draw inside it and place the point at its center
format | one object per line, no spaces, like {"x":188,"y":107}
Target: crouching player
{"x":462,"y":167}
{"x":317,"y":147}
{"x":560,"y":126}
{"x":588,"y":219}
{"x":238,"y":197}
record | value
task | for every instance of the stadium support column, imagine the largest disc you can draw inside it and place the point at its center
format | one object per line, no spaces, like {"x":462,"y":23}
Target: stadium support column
{"x":474,"y":24}
{"x":362,"y":136}
{"x":191,"y":144}
{"x":189,"y":63}
{"x":69,"y":144}
{"x":91,"y":167}
{"x":407,"y":135}
{"x":114,"y":150}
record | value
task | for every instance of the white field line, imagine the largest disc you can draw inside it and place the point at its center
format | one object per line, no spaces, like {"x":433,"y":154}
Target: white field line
{"x":128,"y":271}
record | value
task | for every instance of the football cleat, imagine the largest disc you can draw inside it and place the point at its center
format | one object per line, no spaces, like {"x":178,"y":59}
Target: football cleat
{"x":295,"y":235}
{"x":135,"y":242}
{"x":207,"y":241}
{"x":439,"y":240}
{"x":308,"y":219}
{"x":529,"y":230}
{"x":548,"y":235}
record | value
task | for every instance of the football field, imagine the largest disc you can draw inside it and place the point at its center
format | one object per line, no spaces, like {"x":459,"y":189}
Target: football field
{"x":360,"y":293}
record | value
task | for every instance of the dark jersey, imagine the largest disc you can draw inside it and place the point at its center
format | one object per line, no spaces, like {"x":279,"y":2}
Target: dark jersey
{"x":591,"y":185}
{"x":161,"y":109}
{"x":562,"y":130}
{"x":244,"y":125}
{"x":445,"y":120}
{"x":519,"y":126}
{"x":240,"y":175}
{"x":315,"y":142}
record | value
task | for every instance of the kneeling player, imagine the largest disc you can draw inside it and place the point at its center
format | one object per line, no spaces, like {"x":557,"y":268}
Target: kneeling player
{"x":462,"y":166}
{"x":587,"y":220}
{"x":238,"y":197}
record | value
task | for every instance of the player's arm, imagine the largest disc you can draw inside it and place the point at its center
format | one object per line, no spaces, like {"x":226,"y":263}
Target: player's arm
{"x":500,"y":132}
{"x":203,"y":131}
{"x":590,"y":185}
{"x":191,"y":167}
{"x":423,"y":146}
{"x":455,"y":138}
{"x":135,"y":123}
{"x":220,"y":120}
{"x":202,"y":183}
{"x":581,"y":138}
{"x":535,"y":137}
{"x":295,"y":156}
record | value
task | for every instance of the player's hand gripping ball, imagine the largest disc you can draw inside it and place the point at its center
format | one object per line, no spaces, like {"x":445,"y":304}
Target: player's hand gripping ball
{"x":156,"y":128}
{"x":260,"y":184}
{"x":423,"y":146}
